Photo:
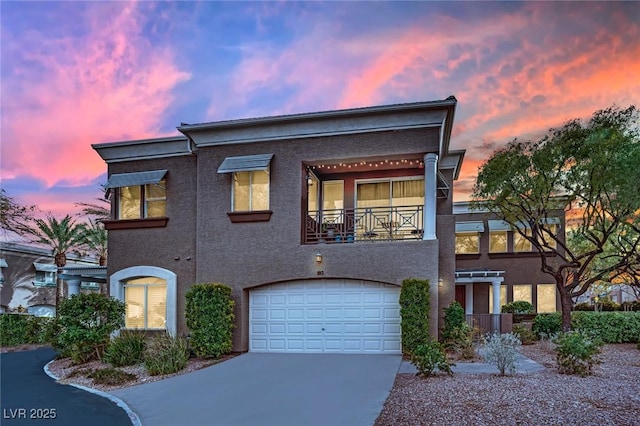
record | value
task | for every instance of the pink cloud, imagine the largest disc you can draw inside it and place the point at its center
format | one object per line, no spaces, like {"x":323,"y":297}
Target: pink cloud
{"x":108,"y":85}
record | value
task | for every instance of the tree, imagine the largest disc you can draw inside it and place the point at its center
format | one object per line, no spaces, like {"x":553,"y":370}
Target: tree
{"x":14,"y":217}
{"x":61,"y":236}
{"x":590,"y":169}
{"x":95,"y":239}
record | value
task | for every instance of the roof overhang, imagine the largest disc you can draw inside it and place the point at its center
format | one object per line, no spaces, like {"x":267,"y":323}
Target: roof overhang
{"x":474,"y":276}
{"x":145,"y":149}
{"x":96,"y":274}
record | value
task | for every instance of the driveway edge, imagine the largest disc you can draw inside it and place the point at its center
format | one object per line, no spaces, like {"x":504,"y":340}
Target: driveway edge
{"x":135,"y":420}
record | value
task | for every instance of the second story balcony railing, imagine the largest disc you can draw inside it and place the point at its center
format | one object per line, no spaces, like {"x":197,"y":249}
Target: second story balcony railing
{"x":364,"y":225}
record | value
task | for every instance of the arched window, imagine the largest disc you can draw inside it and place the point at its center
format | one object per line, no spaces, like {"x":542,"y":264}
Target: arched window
{"x":149,"y":294}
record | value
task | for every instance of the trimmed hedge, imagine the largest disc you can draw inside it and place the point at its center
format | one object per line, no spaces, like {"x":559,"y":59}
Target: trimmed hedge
{"x":609,"y":327}
{"x":518,"y":307}
{"x":209,"y":313}
{"x":414,"y":310}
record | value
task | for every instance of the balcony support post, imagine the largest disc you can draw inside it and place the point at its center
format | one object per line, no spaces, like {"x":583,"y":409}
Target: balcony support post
{"x":430,"y":185}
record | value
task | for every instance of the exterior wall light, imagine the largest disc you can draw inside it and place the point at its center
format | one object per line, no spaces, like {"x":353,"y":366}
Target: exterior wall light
{"x":440,"y":282}
{"x":318,"y":258}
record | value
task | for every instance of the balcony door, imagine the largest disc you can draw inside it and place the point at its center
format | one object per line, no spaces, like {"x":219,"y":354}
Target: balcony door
{"x":387,"y":207}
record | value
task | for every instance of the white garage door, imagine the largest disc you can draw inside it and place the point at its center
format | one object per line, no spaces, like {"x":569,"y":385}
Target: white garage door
{"x":344,"y":316}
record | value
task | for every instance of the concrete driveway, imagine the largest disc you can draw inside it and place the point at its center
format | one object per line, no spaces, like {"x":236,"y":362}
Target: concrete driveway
{"x":271,"y":389}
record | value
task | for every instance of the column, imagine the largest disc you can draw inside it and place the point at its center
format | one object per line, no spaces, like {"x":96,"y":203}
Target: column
{"x":430,"y":187}
{"x":74,"y":287}
{"x":468,"y":302}
{"x":495,"y":323}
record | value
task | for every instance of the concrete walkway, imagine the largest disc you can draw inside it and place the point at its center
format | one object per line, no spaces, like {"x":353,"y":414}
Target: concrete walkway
{"x":271,"y":389}
{"x":524,"y":365}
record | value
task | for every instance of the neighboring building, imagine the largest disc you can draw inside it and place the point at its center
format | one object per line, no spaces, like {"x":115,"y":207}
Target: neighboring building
{"x":314,"y":220}
{"x":28,"y":278}
{"x":495,"y":265}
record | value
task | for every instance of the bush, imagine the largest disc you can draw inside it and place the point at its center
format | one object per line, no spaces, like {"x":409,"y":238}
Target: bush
{"x":517,"y":307}
{"x":165,"y":354}
{"x":584,"y":306}
{"x":501,"y":350}
{"x":461,"y":341}
{"x":429,"y":358}
{"x":19,"y":329}
{"x":609,"y":327}
{"x":209,"y":314}
{"x":126,"y":349}
{"x":453,"y":319}
{"x":111,"y":376}
{"x":85,"y":322}
{"x":576,"y":353}
{"x":527,"y":337}
{"x":547,"y":324}
{"x":414,"y":310}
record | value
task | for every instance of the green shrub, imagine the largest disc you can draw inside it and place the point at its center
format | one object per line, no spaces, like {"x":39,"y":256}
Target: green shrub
{"x":209,"y":313}
{"x":461,"y":341}
{"x":85,"y":322}
{"x":576,"y":353}
{"x":430,"y":358}
{"x":584,"y":306}
{"x":609,"y":327}
{"x":414,"y":310}
{"x":517,"y":307}
{"x":526,"y":335}
{"x":126,"y":349}
{"x":453,"y":319}
{"x":546,"y":325}
{"x":111,"y":376}
{"x":19,"y":329}
{"x":501,"y":350}
{"x":165,"y":354}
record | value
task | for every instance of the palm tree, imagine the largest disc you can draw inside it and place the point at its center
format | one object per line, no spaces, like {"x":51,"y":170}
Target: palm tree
{"x":61,"y":236}
{"x":95,"y":238}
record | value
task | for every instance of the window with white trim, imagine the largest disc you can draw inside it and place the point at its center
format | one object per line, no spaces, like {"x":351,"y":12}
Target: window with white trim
{"x":145,"y":301}
{"x":250,"y":191}
{"x":46,"y":275}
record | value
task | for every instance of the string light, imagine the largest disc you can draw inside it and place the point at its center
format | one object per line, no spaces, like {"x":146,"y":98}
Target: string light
{"x":381,"y":163}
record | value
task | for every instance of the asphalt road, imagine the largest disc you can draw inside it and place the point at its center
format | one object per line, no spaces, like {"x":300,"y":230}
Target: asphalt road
{"x":29,"y":397}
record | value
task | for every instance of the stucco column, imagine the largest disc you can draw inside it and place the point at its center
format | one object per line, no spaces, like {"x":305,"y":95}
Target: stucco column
{"x":496,"y":305}
{"x":430,"y":186}
{"x":468,"y":295}
{"x":74,"y":287}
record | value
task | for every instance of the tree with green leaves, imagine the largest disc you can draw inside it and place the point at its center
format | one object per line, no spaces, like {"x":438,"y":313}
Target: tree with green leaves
{"x":95,"y":239}
{"x":61,"y":236}
{"x":590,"y":169}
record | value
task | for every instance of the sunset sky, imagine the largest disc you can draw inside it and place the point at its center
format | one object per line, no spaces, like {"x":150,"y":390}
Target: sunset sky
{"x":78,"y":73}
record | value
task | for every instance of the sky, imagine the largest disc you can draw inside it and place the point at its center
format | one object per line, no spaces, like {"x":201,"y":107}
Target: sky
{"x":79,"y":73}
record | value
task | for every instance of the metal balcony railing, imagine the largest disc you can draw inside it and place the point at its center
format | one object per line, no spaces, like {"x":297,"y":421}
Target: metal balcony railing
{"x":364,"y":225}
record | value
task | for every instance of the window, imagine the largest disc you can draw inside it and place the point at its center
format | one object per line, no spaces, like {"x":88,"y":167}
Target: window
{"x":45,"y":274}
{"x":503,"y":297}
{"x":520,"y":243}
{"x":3,"y":264}
{"x":551,"y":242}
{"x":145,"y":303}
{"x":522,"y":292}
{"x":497,"y":241}
{"x":332,"y":201}
{"x":250,"y":191}
{"x":467,"y":242}
{"x":142,"y":201}
{"x":546,"y":295}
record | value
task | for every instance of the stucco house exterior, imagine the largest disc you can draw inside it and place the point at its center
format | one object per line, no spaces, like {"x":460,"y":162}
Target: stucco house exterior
{"x":314,"y":220}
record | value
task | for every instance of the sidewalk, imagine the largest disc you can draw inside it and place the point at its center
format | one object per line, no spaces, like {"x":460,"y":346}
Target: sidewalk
{"x":524,"y":365}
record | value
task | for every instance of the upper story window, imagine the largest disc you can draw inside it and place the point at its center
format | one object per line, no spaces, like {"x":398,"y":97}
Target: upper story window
{"x":468,"y":237}
{"x":45,"y":274}
{"x":250,"y":187}
{"x":520,"y":243}
{"x":498,"y":237}
{"x":250,"y":191}
{"x":139,"y":195}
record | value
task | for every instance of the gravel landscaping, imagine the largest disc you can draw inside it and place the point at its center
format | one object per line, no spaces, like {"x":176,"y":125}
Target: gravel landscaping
{"x":610,"y":397}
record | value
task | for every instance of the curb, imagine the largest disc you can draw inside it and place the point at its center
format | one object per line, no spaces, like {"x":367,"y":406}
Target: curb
{"x":135,"y":420}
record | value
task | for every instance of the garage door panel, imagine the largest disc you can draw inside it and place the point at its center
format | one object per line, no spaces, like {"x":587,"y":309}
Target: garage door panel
{"x":325,"y":316}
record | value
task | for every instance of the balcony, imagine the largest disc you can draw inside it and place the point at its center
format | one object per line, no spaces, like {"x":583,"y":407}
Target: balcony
{"x":371,"y":224}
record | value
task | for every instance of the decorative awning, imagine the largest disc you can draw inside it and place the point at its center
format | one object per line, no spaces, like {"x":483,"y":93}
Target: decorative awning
{"x":499,"y":225}
{"x":469,"y":227}
{"x":245,"y":163}
{"x":133,"y":179}
{"x":478,"y":276}
{"x":45,"y":267}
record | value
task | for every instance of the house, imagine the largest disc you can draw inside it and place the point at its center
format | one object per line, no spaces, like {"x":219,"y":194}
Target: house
{"x":495,"y":265}
{"x":28,"y":277}
{"x":313,"y":220}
